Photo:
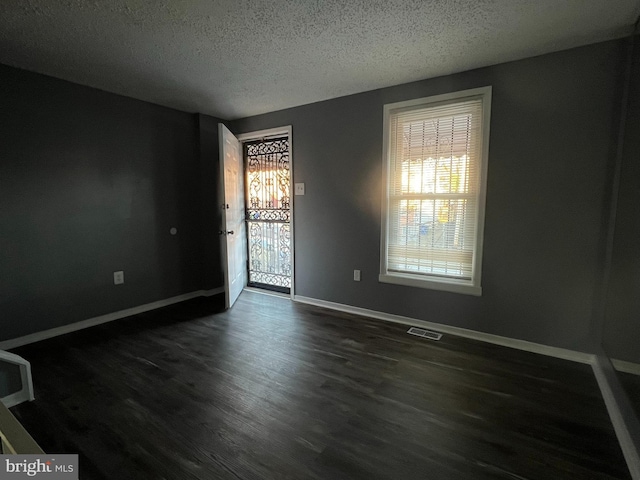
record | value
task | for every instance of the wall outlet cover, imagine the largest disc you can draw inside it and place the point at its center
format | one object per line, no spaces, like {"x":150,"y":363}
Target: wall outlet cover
{"x":118,"y":278}
{"x":299,"y":188}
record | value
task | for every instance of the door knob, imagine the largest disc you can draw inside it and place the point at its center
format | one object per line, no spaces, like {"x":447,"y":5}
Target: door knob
{"x":230,"y":232}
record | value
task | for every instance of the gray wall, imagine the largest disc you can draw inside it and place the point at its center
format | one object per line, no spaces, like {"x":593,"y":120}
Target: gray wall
{"x":210,"y":202}
{"x":552,"y":129}
{"x":91,"y":183}
{"x":621,"y":339}
{"x":621,"y":333}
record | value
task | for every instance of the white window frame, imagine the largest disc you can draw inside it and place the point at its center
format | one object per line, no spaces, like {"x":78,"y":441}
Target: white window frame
{"x":472,"y":286}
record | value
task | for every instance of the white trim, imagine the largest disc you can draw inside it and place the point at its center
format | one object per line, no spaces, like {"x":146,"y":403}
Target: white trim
{"x":292,"y":196}
{"x":446,"y":285}
{"x":17,"y":398}
{"x":221,"y":204}
{"x":25,"y":394}
{"x":631,"y":454}
{"x":626,"y":367}
{"x":547,"y":350}
{"x":14,"y":439}
{"x":270,"y":132}
{"x":471,"y":287}
{"x":109,"y":317}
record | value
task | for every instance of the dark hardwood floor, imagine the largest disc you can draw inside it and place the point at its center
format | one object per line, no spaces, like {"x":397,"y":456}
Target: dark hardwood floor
{"x":277,"y":390}
{"x":631,"y":384}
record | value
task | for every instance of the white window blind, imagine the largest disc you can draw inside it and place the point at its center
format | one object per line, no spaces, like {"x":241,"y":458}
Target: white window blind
{"x":435,"y":166}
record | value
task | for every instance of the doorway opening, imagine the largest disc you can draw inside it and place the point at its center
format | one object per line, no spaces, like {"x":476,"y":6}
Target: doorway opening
{"x":268,"y":212}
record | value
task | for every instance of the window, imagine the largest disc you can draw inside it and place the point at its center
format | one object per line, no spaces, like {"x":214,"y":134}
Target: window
{"x":435,"y":155}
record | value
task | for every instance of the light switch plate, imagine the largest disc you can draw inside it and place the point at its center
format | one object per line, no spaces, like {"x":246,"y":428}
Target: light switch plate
{"x":299,"y":189}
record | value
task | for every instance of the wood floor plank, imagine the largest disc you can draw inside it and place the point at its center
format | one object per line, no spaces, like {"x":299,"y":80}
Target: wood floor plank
{"x":272,"y":389}
{"x":631,"y":384}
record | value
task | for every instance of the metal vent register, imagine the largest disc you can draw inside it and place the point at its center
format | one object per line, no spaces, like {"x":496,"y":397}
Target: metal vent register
{"x":421,"y":332}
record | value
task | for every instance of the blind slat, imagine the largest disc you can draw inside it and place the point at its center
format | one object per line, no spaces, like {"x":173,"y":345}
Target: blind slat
{"x":435,"y":160}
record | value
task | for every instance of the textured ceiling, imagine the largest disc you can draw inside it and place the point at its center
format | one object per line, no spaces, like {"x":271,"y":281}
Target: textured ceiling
{"x":235,"y":58}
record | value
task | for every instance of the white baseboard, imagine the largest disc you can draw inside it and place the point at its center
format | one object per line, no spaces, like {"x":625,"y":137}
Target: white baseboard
{"x":25,"y":394}
{"x":109,"y":317}
{"x":631,"y":455}
{"x":565,"y":354}
{"x":626,"y":367}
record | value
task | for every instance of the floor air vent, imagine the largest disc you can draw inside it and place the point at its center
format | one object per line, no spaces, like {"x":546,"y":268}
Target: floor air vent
{"x":421,"y":332}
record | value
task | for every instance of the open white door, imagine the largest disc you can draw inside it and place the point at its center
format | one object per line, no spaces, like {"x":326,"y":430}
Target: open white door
{"x":233,"y":222}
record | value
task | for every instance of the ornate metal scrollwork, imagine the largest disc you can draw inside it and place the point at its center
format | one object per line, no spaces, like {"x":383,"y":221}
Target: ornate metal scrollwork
{"x":268,"y":215}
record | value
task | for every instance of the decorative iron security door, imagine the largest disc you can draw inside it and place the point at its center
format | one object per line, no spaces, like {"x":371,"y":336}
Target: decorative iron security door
{"x":268,"y":215}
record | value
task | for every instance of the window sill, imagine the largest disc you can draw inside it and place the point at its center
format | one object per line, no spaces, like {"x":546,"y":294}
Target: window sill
{"x":445,"y":285}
